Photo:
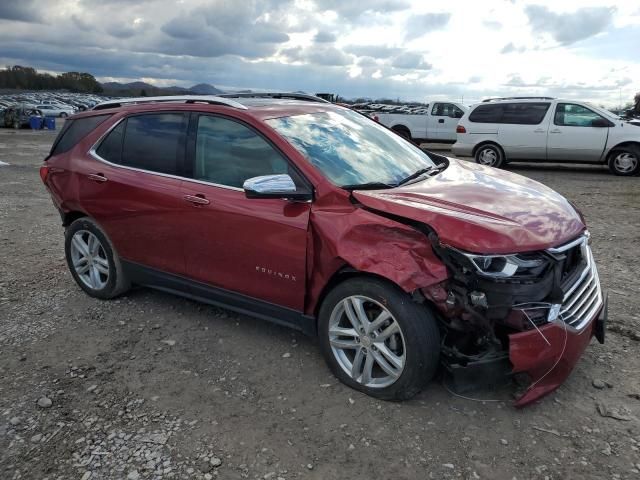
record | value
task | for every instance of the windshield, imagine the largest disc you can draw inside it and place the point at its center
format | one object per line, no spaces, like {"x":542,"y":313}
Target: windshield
{"x":352,"y":150}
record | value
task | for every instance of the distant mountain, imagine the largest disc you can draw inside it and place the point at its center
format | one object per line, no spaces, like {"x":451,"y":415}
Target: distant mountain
{"x":205,"y":89}
{"x":143,"y":88}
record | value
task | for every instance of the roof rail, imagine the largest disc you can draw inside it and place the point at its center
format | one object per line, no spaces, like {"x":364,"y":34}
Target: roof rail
{"x":210,"y":99}
{"x":280,"y":95}
{"x":516,"y":98}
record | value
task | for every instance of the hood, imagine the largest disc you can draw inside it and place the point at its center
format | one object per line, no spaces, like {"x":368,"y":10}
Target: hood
{"x":482,"y":209}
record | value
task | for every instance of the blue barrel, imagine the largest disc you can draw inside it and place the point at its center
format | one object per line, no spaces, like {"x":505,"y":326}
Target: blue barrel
{"x":50,"y":123}
{"x":35,"y":122}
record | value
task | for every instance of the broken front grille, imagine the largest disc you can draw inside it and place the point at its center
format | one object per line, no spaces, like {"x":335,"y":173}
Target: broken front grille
{"x":583,"y":298}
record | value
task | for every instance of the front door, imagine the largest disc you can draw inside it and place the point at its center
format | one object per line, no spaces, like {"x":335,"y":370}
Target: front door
{"x":443,"y":121}
{"x":254,"y":247}
{"x":571,"y":136}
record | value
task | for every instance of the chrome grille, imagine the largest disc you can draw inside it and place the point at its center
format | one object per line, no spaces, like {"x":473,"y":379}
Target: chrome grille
{"x":584,"y":298}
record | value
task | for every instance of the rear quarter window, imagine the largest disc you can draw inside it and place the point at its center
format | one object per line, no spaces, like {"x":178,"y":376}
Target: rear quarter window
{"x":74,"y":131}
{"x":486,"y":114}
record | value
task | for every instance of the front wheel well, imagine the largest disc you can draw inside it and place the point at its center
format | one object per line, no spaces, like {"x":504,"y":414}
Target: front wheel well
{"x":69,"y":217}
{"x":622,"y":145}
{"x":343,"y":274}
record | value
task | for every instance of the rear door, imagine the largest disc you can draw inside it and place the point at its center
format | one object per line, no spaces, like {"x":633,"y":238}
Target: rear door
{"x":131,"y":186}
{"x":572,"y":136}
{"x":523,"y":130}
{"x":253,"y":247}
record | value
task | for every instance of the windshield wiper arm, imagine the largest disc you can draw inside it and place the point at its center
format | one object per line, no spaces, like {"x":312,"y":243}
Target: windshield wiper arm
{"x":368,"y":186}
{"x":417,"y":174}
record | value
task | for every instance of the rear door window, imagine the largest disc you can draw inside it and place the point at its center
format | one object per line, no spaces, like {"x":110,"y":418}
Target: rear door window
{"x":154,"y":141}
{"x":74,"y":131}
{"x":486,"y":114}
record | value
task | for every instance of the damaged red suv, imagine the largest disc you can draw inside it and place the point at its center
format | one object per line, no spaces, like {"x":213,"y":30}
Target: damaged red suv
{"x":402,"y":263}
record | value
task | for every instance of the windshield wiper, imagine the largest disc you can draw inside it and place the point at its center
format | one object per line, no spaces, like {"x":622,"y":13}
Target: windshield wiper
{"x":368,"y":186}
{"x":418,"y":174}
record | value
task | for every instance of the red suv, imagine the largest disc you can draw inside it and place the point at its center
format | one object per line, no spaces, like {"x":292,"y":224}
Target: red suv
{"x":311,"y":215}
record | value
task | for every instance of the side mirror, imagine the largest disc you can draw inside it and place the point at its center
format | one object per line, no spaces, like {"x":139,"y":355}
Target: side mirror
{"x":601,"y":123}
{"x":273,"y":186}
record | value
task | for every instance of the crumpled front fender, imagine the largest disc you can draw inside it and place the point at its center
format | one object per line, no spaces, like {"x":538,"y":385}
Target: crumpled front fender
{"x":370,"y":243}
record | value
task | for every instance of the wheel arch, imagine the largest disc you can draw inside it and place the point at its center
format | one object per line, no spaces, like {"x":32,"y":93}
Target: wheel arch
{"x":341,"y":275}
{"x":69,"y":217}
{"x":628,"y":143}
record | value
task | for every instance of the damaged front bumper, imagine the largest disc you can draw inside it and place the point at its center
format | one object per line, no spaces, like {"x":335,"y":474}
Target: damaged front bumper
{"x":549,"y":354}
{"x":539,"y":336}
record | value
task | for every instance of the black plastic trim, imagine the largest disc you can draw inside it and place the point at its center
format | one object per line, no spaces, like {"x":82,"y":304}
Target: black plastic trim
{"x":185,"y":287}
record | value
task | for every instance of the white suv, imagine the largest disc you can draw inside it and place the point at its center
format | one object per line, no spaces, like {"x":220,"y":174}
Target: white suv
{"x":497,"y":131}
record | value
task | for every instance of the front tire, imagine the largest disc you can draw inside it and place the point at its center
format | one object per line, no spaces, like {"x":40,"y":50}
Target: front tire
{"x":92,"y":260}
{"x":377,"y":340}
{"x":625,"y":161}
{"x":489,"y":155}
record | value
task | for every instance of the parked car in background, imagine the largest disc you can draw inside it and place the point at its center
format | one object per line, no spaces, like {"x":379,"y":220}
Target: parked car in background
{"x":54,"y":110}
{"x":313,"y":216}
{"x":18,"y":116}
{"x":498,"y":131}
{"x":436,"y":121}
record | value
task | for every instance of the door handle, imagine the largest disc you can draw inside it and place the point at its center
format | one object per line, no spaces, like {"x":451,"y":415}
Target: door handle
{"x":97,"y":177}
{"x":555,"y":131}
{"x":197,"y":199}
{"x":441,"y":120}
{"x":539,"y":130}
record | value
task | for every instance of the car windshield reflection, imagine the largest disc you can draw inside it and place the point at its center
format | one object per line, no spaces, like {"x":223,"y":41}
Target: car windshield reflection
{"x":352,"y":150}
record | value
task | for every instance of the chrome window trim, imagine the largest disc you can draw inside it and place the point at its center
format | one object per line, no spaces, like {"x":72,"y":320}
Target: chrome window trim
{"x":94,"y":154}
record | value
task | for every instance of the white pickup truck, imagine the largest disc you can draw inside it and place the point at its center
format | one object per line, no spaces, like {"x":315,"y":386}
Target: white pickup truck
{"x":434,"y":122}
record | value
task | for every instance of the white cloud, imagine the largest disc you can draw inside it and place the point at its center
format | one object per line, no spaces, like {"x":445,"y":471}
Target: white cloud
{"x":412,"y":49}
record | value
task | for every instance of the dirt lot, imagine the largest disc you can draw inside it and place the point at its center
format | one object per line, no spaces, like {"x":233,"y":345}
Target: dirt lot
{"x":153,"y":386}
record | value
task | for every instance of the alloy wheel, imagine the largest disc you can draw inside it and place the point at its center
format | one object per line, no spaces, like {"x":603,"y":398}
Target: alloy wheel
{"x":367,"y":341}
{"x":89,"y":259}
{"x":625,"y":162}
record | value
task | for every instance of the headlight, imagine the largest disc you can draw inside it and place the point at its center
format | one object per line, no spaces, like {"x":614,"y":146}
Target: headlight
{"x":505,"y":266}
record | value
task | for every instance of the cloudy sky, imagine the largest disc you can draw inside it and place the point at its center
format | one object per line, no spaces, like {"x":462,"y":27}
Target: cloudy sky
{"x":411,"y":49}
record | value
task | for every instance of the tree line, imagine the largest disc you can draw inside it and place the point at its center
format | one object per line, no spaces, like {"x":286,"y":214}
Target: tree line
{"x":27,"y":78}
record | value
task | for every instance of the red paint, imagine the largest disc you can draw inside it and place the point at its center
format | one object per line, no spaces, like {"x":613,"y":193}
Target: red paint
{"x":287,"y":253}
{"x":483,"y":210}
{"x":547,"y":365}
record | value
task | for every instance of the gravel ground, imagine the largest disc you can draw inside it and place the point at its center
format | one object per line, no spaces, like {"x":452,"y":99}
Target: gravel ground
{"x":155,"y":386}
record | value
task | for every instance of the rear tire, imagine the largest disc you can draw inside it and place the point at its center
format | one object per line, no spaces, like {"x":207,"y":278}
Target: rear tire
{"x":393,"y":353}
{"x":490,"y":155}
{"x":92,"y":260}
{"x":625,"y":161}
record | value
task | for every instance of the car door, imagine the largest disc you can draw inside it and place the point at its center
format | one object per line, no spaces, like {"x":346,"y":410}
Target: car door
{"x":522,"y":131}
{"x":443,"y":121}
{"x":130,"y":185}
{"x":252,"y":247}
{"x":572,"y":135}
